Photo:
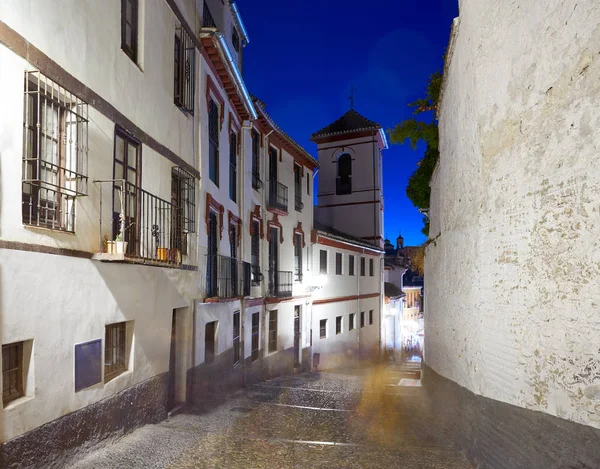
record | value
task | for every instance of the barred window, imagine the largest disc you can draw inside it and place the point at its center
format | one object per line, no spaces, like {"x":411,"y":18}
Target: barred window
{"x":256,"y":182}
{"x":207,"y":18}
{"x":233,"y":145}
{"x":272,"y":331}
{"x":338,"y":263}
{"x":362,"y":319}
{"x":351,"y":264}
{"x":323,"y":329}
{"x":351,"y":320}
{"x":184,"y":71}
{"x":370,"y":317}
{"x":236,"y":338}
{"x":213,"y":142}
{"x":55,"y":153}
{"x":323,"y":261}
{"x":362,"y":266}
{"x":338,"y":325}
{"x":298,"y":257}
{"x":115,"y":350}
{"x":255,"y":335}
{"x":371,"y":269}
{"x":255,"y":252}
{"x":183,"y":198}
{"x":12,"y":372}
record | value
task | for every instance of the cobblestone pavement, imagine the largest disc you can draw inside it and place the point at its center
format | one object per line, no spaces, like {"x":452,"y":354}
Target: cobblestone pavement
{"x":375,"y":418}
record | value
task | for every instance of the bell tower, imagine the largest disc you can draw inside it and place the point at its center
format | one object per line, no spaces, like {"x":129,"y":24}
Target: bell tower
{"x":350,"y":197}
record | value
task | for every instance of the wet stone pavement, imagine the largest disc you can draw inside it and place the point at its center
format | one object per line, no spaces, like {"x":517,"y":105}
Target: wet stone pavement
{"x":371,"y":418}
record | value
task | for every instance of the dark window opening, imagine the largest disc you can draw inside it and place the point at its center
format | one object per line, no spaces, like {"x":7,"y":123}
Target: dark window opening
{"x":213,"y":142}
{"x":362,"y":266}
{"x":115,"y":350}
{"x":323,"y":329}
{"x":344,"y":177}
{"x":12,"y":372}
{"x":351,"y":319}
{"x":370,"y":317}
{"x":362,"y":319}
{"x":184,"y":71}
{"x":371,"y":267}
{"x":298,"y":257}
{"x":236,"y":338}
{"x":298,"y":188}
{"x":323,"y":262}
{"x":210,"y":341}
{"x":207,"y":18}
{"x":256,"y":181}
{"x":338,"y":263}
{"x":129,"y":28}
{"x":255,"y":335}
{"x":272,"y":331}
{"x":338,"y":325}
{"x":233,"y":145}
{"x":235,"y":39}
{"x":255,"y":253}
{"x":350,"y":264}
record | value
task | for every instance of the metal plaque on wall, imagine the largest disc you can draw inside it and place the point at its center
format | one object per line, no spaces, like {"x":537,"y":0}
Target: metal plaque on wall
{"x":88,"y":364}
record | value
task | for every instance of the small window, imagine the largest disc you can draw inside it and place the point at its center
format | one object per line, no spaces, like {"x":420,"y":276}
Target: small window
{"x":129,"y":28}
{"x":323,"y":263}
{"x":298,"y":257}
{"x":233,"y":157}
{"x":213,"y":142}
{"x":235,"y":39}
{"x":362,"y":266}
{"x":344,"y":177}
{"x":116,"y":357}
{"x":256,"y":181}
{"x":308,"y":184}
{"x":338,"y":325}
{"x":299,"y":205}
{"x":207,"y":18}
{"x":272,"y":331}
{"x":351,"y":320}
{"x":338,"y":263}
{"x":351,"y":264}
{"x":323,"y":328}
{"x":210,"y":341}
{"x":236,"y":338}
{"x":362,"y":319}
{"x":255,"y":335}
{"x":12,"y":372}
{"x":371,"y":265}
{"x":371,"y":317}
{"x":184,"y":71}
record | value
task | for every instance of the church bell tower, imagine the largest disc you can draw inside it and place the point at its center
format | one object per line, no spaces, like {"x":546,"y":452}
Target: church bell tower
{"x":350,"y":197}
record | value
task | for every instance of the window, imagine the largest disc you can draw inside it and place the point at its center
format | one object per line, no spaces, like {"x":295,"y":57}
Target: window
{"x":351,"y":264}
{"x":184,"y":71}
{"x":338,"y":325}
{"x":129,"y":28}
{"x":212,"y":289}
{"x":323,"y":263}
{"x":370,"y":317}
{"x":298,"y":188}
{"x":272,"y":331}
{"x":298,"y":257}
{"x":338,"y":263}
{"x":233,"y":145}
{"x":183,"y":200}
{"x":371,"y":264}
{"x":362,"y":266}
{"x":12,"y":372}
{"x":307,"y":184}
{"x":115,"y":350}
{"x":255,"y":252}
{"x":210,"y":341}
{"x":255,"y":333}
{"x":362,"y":319}
{"x":213,"y":142}
{"x":256,"y":182}
{"x":236,"y":338}
{"x":235,"y":39}
{"x":55,"y":164}
{"x":351,"y":320}
{"x":323,"y":328}
{"x":207,"y":18}
{"x":344,"y":177}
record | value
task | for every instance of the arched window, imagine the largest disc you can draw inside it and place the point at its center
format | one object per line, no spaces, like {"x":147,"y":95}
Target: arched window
{"x":344,"y":176}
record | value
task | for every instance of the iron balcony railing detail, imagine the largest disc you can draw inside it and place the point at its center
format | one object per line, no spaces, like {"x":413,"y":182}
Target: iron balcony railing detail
{"x":278,"y":196}
{"x":143,"y":227}
{"x":227,"y":277}
{"x":280,"y":284}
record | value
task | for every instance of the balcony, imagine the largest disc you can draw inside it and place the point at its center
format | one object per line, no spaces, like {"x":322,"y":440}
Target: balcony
{"x":278,"y":197}
{"x":137,"y":226}
{"x":257,"y":183}
{"x":227,"y":277}
{"x":280,"y":284}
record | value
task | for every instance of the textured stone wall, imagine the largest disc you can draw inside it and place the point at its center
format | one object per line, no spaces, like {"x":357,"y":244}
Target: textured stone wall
{"x":513,"y":267}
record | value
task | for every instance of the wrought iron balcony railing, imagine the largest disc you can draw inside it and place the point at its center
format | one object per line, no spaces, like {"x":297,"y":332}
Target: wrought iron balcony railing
{"x":227,"y":277}
{"x":256,"y":181}
{"x":143,"y":227}
{"x":278,"y":196}
{"x":280,"y":284}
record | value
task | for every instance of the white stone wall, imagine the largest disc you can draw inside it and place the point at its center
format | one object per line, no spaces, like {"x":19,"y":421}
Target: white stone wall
{"x":513,"y":265}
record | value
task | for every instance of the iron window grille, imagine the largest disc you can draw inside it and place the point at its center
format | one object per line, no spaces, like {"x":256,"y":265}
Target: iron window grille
{"x":350,"y":264}
{"x":351,"y":320}
{"x":235,"y":39}
{"x":371,"y":267}
{"x":370,"y":317}
{"x":362,"y":319}
{"x":227,"y":277}
{"x":184,"y":71}
{"x":298,"y":258}
{"x":213,"y":142}
{"x":184,"y":195}
{"x":323,"y":328}
{"x":236,"y":338}
{"x":338,"y":263}
{"x":323,"y":262}
{"x":115,"y":351}
{"x":55,"y":153}
{"x":256,"y":181}
{"x":12,"y":372}
{"x":278,"y":195}
{"x":298,"y":188}
{"x":129,"y":28}
{"x":233,"y":145}
{"x":338,"y":325}
{"x":207,"y":18}
{"x":255,"y":335}
{"x":210,"y":336}
{"x":280,"y":284}
{"x":362,"y":266}
{"x":272,"y":331}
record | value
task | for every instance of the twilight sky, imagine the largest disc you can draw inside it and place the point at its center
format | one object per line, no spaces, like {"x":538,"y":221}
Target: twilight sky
{"x":304,"y":56}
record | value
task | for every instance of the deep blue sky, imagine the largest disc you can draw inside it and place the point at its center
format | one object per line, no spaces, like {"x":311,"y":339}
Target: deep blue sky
{"x":304,"y":55}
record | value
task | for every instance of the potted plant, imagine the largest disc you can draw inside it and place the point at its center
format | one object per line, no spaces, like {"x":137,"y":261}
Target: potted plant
{"x":120,"y":244}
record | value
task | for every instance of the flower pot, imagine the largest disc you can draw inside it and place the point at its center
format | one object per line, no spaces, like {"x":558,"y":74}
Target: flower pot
{"x":162,"y":254}
{"x":121,"y":247}
{"x":110,"y":247}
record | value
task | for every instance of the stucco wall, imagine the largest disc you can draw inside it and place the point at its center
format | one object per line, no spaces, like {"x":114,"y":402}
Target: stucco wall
{"x":513,"y":267}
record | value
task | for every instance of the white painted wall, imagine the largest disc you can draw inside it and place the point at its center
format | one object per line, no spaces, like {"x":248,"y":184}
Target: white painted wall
{"x":512,"y":269}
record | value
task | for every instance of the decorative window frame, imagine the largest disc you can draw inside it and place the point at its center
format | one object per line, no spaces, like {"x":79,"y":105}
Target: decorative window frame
{"x":300,"y":231}
{"x":236,"y":221}
{"x":275,"y":223}
{"x":256,"y":216}
{"x":212,"y":204}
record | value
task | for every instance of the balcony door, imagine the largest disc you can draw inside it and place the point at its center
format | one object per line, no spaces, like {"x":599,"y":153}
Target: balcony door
{"x":125,"y":196}
{"x":273,"y":260}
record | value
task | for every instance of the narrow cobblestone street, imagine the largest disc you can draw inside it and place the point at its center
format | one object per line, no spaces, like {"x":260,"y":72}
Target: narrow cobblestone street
{"x":347,"y":419}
